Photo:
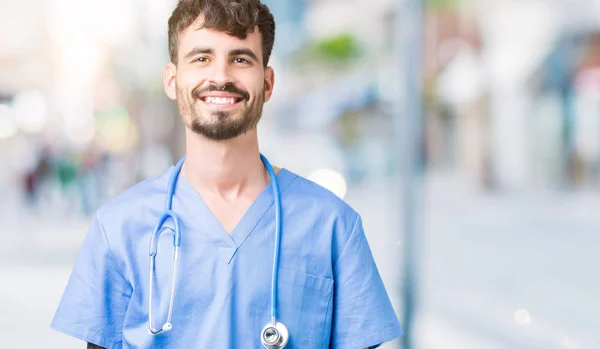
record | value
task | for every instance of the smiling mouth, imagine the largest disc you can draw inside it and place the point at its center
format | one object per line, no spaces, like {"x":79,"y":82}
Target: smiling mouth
{"x":221,"y":100}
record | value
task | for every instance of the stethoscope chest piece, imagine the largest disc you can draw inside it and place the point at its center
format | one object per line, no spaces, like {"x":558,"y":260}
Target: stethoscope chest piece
{"x":274,"y":336}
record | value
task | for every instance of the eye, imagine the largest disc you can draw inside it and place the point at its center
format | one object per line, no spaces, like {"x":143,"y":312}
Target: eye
{"x":241,"y":61}
{"x":201,"y":60}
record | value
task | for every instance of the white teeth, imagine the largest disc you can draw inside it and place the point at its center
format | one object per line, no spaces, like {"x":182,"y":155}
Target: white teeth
{"x":219,"y":100}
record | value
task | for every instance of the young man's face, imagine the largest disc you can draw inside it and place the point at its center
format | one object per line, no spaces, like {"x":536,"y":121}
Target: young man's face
{"x":219,"y":82}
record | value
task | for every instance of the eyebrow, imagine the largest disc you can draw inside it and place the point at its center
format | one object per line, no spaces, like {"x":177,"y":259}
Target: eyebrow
{"x":244,"y":52}
{"x":197,"y":51}
{"x":236,"y":52}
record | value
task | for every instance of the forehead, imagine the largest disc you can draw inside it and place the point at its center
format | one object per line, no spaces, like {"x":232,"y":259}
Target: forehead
{"x":196,"y":35}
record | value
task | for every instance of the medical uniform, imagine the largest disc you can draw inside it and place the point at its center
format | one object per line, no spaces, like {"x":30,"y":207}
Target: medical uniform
{"x":330,"y":294}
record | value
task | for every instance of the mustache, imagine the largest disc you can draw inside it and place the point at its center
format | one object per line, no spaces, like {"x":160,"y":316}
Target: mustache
{"x":228,"y":87}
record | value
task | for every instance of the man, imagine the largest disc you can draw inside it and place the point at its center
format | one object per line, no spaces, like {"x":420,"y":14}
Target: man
{"x":329,"y":292}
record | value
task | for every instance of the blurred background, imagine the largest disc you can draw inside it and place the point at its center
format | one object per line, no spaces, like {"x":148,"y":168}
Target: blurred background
{"x":466,"y":133}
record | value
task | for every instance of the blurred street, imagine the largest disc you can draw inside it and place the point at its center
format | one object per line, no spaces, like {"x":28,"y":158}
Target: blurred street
{"x":517,"y":270}
{"x":486,"y":258}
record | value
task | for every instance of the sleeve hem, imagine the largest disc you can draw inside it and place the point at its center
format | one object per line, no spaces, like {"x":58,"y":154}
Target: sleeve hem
{"x":373,"y":340}
{"x":86,"y":337}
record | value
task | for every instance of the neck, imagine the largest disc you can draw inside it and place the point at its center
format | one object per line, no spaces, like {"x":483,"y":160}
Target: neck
{"x":224,"y":168}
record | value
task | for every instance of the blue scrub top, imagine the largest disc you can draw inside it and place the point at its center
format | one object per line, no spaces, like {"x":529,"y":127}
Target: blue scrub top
{"x":330,"y":292}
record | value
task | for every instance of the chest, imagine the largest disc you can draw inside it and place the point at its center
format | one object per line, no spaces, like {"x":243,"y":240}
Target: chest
{"x":229,"y":214}
{"x":227,"y":305}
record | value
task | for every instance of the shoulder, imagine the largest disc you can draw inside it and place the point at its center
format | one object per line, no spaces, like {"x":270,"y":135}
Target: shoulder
{"x":307,"y":199}
{"x":136,"y":198}
{"x":316,"y":214}
{"x":309,"y":193}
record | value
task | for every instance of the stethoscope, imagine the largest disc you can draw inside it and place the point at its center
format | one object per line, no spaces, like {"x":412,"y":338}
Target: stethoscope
{"x":274,"y":335}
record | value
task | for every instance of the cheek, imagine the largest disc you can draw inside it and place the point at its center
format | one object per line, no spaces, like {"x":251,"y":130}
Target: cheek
{"x":258,"y":90}
{"x":189,"y":79}
{"x":251,"y":81}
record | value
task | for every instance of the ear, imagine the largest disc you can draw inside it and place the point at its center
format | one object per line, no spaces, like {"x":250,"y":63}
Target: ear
{"x":269,"y":82}
{"x":169,"y":80}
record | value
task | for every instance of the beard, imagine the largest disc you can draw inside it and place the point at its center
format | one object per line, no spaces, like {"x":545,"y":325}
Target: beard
{"x":220,"y":125}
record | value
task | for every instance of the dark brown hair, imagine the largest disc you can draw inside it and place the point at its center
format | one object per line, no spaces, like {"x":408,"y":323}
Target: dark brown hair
{"x":234,"y":17}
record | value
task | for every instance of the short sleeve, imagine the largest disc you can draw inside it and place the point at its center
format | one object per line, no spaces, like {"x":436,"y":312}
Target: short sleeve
{"x":363,"y":316}
{"x":96,"y":297}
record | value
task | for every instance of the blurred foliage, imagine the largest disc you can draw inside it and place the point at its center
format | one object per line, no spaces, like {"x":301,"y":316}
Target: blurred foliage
{"x":333,"y":52}
{"x":444,"y":4}
{"x":338,"y":48}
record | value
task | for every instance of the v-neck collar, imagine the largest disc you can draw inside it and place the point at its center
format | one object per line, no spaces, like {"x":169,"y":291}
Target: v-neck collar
{"x":207,"y":222}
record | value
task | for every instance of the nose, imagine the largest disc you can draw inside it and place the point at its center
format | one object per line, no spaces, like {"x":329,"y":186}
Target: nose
{"x":221,"y":72}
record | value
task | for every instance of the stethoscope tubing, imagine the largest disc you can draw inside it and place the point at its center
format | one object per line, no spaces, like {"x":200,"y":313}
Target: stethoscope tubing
{"x":168,"y":213}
